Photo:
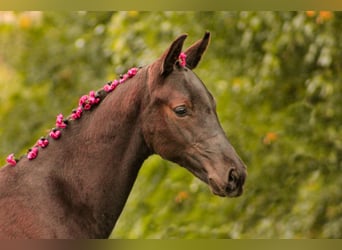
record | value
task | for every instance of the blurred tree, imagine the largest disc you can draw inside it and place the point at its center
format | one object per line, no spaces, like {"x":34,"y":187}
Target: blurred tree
{"x":56,"y":57}
{"x":275,"y":75}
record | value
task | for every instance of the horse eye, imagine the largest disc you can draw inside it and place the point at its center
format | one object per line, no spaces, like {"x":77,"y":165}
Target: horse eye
{"x":180,"y":111}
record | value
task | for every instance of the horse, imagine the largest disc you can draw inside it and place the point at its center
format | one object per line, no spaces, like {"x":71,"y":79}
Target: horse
{"x":74,"y":182}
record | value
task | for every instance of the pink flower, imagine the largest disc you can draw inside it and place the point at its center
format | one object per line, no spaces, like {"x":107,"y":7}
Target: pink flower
{"x":74,"y":116}
{"x":60,"y":118}
{"x":43,"y":142}
{"x":60,"y":123}
{"x":93,"y":98}
{"x":87,"y":101}
{"x":115,"y":83}
{"x":87,"y":106}
{"x":82,"y":100}
{"x":11,"y":160}
{"x":55,"y":134}
{"x":77,"y":113}
{"x":108,"y":88}
{"x":33,"y":153}
{"x":132,"y":72}
{"x":125,"y":77}
{"x":182,"y":59}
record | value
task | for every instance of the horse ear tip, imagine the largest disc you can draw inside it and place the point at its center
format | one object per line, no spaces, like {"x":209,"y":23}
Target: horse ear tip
{"x":183,"y":36}
{"x":206,"y":34}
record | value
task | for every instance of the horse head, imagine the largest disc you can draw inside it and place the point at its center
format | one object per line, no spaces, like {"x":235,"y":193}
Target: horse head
{"x":180,"y":122}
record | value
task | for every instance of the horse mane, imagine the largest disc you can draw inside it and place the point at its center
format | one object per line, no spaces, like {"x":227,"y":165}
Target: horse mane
{"x":86,"y":103}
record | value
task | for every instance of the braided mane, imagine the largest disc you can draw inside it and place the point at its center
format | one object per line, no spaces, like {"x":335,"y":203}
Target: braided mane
{"x":86,"y":103}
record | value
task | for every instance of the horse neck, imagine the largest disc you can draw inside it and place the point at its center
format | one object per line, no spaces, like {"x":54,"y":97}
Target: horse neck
{"x":98,"y":157}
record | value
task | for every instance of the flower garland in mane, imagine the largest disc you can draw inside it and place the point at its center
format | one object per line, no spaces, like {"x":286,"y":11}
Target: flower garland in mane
{"x":86,"y":102}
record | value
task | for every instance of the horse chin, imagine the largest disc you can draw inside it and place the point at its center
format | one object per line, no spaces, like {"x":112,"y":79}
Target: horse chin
{"x":218,"y":193}
{"x":225,"y":194}
{"x":217,"y":190}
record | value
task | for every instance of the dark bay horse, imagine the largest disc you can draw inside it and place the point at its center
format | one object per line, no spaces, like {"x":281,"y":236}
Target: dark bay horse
{"x":74,"y":182}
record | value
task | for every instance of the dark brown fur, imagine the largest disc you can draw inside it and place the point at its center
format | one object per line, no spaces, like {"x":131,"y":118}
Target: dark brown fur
{"x":78,"y":186}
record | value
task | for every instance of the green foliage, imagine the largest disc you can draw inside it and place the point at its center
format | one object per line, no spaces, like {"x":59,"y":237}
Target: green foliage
{"x":275,"y":76}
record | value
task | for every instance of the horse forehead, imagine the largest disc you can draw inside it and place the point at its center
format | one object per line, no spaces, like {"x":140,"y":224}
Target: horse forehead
{"x":188,"y":84}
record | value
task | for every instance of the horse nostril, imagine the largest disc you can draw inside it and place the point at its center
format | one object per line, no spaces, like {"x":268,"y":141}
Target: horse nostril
{"x":233,"y":180}
{"x":232,"y":177}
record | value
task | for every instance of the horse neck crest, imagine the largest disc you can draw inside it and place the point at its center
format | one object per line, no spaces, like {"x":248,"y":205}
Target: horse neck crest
{"x":86,"y":103}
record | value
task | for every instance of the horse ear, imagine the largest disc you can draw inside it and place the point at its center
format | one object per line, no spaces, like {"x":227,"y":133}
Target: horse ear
{"x":170,"y":57}
{"x":195,"y":51}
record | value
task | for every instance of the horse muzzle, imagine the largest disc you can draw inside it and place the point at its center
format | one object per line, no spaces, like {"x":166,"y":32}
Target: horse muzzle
{"x":229,"y":185}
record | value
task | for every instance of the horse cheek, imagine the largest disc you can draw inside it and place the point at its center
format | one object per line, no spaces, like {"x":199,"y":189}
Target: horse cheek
{"x":151,"y":132}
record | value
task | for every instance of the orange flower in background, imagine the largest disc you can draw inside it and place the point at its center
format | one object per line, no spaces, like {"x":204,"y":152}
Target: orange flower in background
{"x":321,"y":16}
{"x":310,"y":13}
{"x":181,"y":196}
{"x":270,"y":138}
{"x":25,"y":21}
{"x":324,"y":16}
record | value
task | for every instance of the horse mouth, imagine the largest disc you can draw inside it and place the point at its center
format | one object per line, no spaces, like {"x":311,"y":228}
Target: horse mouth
{"x":231,"y":186}
{"x":224,"y":191}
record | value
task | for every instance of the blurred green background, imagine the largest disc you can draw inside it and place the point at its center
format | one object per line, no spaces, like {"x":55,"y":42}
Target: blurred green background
{"x":276,"y":77}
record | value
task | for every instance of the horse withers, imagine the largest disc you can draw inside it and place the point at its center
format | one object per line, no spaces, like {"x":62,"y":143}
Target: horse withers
{"x":74,"y":182}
